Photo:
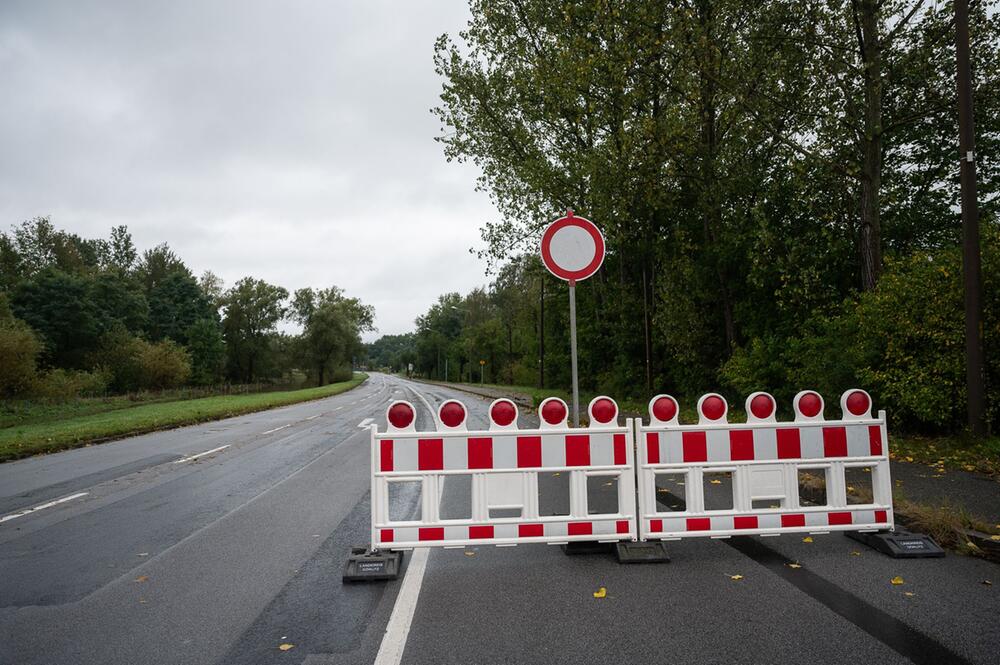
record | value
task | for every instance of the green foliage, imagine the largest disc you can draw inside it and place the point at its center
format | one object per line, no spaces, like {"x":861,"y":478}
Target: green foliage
{"x":177,"y":302}
{"x":58,"y":305}
{"x":19,"y":351}
{"x":208,"y":352}
{"x":253,"y":309}
{"x":60,"y":385}
{"x":163,"y":365}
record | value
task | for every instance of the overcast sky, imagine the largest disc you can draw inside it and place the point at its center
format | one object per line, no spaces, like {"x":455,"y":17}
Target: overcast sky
{"x":291,"y":141}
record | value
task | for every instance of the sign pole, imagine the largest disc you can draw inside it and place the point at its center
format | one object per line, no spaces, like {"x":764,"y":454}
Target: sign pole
{"x":572,"y":352}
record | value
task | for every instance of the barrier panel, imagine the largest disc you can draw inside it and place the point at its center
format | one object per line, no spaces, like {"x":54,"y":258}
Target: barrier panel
{"x":720,"y":479}
{"x":504,"y":464}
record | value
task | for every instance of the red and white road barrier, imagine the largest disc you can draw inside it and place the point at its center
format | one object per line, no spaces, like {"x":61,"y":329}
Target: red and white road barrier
{"x":762,"y":460}
{"x":504,"y":463}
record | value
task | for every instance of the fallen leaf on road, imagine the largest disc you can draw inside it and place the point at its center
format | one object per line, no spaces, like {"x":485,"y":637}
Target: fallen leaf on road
{"x":715,"y":482}
{"x":987,"y":583}
{"x":994,"y":537}
{"x":855,"y":553}
{"x":470,"y":553}
{"x":608,"y":484}
{"x":142,"y":601}
{"x":143,"y":554}
{"x":909,"y":593}
{"x":807,"y":539}
{"x":736,"y":577}
{"x":794,"y":565}
{"x":555,"y":474}
{"x":601,"y":593}
{"x":286,"y":646}
{"x":896,"y":581}
{"x":142,"y":578}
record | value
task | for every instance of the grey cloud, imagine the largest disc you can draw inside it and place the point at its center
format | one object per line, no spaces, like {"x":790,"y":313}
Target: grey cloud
{"x":291,"y":141}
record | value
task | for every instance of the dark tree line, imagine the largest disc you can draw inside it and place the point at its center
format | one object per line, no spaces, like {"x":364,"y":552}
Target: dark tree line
{"x":777,"y":183}
{"x":83,"y":316}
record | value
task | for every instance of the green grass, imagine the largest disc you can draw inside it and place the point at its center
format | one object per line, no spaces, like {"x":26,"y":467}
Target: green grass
{"x":953,"y":452}
{"x":82,"y":429}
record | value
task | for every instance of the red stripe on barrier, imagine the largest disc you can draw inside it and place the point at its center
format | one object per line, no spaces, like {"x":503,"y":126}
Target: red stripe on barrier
{"x":386,"y":535}
{"x":656,"y":526}
{"x":619,"y":449}
{"x":839,"y":518}
{"x":480,"y":532}
{"x":835,"y":442}
{"x":621,"y":526}
{"x":431,"y":533}
{"x":699,"y":524}
{"x":881,"y":516}
{"x":741,"y":445}
{"x":480,"y":452}
{"x":793,"y":520}
{"x":529,"y":451}
{"x":652,"y":448}
{"x":577,"y":450}
{"x":530,"y":530}
{"x":745,"y":522}
{"x":695,"y":447}
{"x":430,"y":454}
{"x":580,"y":528}
{"x":385,"y":455}
{"x":875,"y":439}
{"x":789,"y":444}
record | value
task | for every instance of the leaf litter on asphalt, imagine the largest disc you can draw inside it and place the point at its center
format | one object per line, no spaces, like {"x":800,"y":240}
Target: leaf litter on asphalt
{"x":897,"y":580}
{"x":286,"y":646}
{"x":601,"y":593}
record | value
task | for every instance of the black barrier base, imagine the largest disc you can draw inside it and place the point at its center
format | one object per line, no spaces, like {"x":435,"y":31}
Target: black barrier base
{"x":586,"y":547}
{"x":364,"y":565}
{"x":653,"y":551}
{"x":899,"y":544}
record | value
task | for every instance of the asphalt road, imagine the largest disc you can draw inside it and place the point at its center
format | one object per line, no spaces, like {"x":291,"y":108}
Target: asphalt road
{"x":225,"y":557}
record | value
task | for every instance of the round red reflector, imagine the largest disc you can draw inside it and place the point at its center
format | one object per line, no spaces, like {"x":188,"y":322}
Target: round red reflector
{"x":553,"y":412}
{"x":452,"y":414}
{"x":762,"y":406}
{"x":400,"y":415}
{"x":604,"y":410}
{"x":664,"y":409}
{"x":503,"y":413}
{"x":810,"y":405}
{"x":858,"y":403}
{"x":713,"y":408}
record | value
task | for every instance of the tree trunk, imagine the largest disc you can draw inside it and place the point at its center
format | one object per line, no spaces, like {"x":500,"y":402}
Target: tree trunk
{"x":320,"y":372}
{"x":870,"y":231}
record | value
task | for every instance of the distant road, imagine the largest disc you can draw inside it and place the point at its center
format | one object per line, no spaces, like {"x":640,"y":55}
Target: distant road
{"x":163,"y":554}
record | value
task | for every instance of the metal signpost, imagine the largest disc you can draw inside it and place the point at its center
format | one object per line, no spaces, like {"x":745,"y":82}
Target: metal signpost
{"x":572,"y":250}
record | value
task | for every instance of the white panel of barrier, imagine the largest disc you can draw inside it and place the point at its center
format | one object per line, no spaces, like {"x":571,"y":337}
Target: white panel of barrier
{"x":720,"y":479}
{"x":504,"y":464}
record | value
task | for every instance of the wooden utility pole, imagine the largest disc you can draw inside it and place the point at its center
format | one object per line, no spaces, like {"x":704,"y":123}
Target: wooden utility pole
{"x":971,"y":259}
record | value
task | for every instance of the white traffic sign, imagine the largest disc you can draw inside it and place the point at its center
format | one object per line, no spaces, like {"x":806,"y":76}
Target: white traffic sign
{"x":572,"y":248}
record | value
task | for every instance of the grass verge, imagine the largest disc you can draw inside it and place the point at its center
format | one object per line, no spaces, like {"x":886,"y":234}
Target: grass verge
{"x":24,"y":440}
{"x":949,"y":453}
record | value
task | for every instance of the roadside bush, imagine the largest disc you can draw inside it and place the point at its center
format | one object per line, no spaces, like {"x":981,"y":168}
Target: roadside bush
{"x":163,"y":365}
{"x":19,"y":351}
{"x":904,"y":342}
{"x":59,"y":385}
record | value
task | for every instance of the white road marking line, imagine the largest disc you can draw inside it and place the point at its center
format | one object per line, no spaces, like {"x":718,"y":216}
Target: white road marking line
{"x":272,"y":431}
{"x":207,"y":452}
{"x":313,"y":417}
{"x":390,"y":652}
{"x":43,"y":506}
{"x":365,"y":423}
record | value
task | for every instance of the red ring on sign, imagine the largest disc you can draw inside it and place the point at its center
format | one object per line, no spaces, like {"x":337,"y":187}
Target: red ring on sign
{"x":858,"y":403}
{"x":452,"y":414}
{"x":664,"y":409}
{"x":762,"y":406}
{"x":586,"y":225}
{"x":554,"y":411}
{"x":503,"y":413}
{"x":400,"y":415}
{"x":810,"y":405}
{"x":604,"y":410}
{"x":713,"y":407}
